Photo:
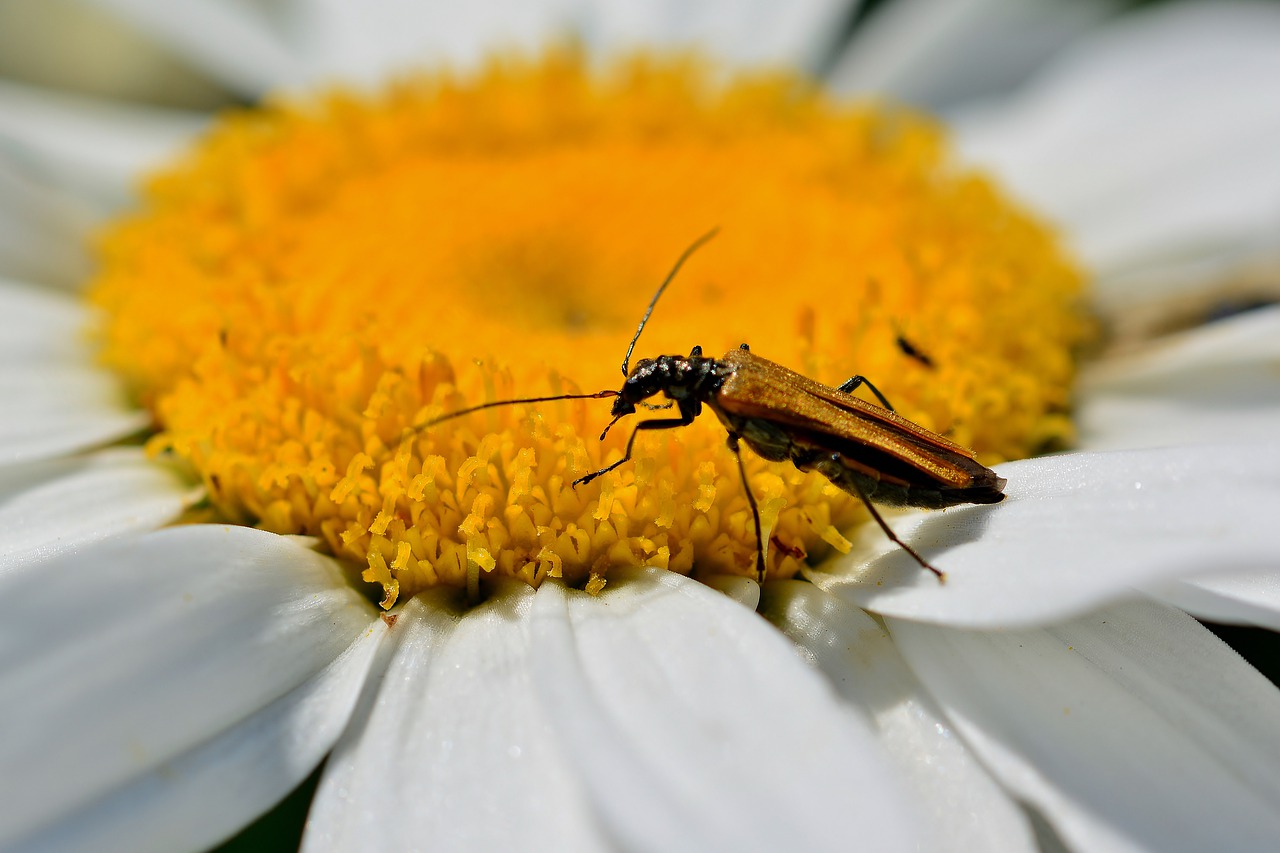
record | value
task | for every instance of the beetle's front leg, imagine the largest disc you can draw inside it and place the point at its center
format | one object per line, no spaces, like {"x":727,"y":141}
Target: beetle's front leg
{"x":664,"y":423}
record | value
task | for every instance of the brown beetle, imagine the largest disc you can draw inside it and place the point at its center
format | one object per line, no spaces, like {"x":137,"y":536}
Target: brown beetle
{"x":866,"y":450}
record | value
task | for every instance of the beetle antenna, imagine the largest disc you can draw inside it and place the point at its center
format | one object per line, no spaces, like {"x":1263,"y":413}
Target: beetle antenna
{"x":693,"y":247}
{"x":448,"y":416}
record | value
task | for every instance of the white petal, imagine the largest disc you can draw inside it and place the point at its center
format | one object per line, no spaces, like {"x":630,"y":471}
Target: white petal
{"x":1131,"y":729}
{"x":1215,"y":383}
{"x":745,"y":591}
{"x":236,"y":42}
{"x":746,"y":33}
{"x":53,"y":507}
{"x":36,"y":323}
{"x":935,"y":52}
{"x":94,"y":147}
{"x":52,"y":399}
{"x":203,"y":796}
{"x":50,"y":409}
{"x":1233,"y":343}
{"x":129,"y":654}
{"x":963,"y":808}
{"x":1076,"y":531}
{"x":450,"y":743}
{"x":366,"y":42}
{"x":1152,"y":144}
{"x":695,"y":726}
{"x":42,"y":229}
{"x":1251,"y":598}
{"x":253,"y":47}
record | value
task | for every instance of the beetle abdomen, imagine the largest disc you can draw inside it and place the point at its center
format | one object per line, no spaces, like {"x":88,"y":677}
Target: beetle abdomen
{"x":881,"y":476}
{"x":908,"y":486}
{"x":919,"y":492}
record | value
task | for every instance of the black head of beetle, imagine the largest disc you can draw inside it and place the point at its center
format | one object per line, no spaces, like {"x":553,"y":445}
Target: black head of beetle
{"x":688,"y":380}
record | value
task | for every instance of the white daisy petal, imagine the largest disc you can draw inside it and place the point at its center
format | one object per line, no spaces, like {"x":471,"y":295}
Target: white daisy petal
{"x":145,"y":649}
{"x":309,"y":41}
{"x":450,"y":743}
{"x":1233,"y":343}
{"x":237,"y":42}
{"x":694,"y":726}
{"x":1076,"y":531}
{"x":934,"y":52}
{"x":365,"y":43}
{"x":36,"y":324}
{"x":53,"y":400}
{"x":750,"y":33}
{"x":203,"y":796}
{"x":963,"y":808}
{"x":1133,"y":728}
{"x":1251,"y":598}
{"x":745,"y":591}
{"x":42,"y":229}
{"x":1152,"y":144}
{"x":56,"y":506}
{"x":1213,"y":383}
{"x":47,"y":410}
{"x":93,"y":147}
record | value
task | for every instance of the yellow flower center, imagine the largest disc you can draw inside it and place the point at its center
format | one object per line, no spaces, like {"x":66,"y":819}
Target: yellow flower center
{"x":315,"y":279}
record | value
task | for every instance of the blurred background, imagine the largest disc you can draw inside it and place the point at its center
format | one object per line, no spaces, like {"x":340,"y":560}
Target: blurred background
{"x":931,"y":53}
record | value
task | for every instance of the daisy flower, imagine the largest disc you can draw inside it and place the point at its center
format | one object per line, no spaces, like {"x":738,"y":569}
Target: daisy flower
{"x":271,"y":562}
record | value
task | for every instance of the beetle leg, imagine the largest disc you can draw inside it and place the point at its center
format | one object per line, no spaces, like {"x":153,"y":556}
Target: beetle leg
{"x":664,"y":423}
{"x":755,"y":510}
{"x":855,"y":382}
{"x":893,"y":537}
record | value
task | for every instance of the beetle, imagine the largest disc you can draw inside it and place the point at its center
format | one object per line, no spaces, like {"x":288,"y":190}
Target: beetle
{"x":869,"y":451}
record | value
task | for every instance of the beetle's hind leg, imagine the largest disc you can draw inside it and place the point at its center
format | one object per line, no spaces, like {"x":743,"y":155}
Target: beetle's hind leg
{"x":855,"y":382}
{"x":888,"y":531}
{"x":761,"y":556}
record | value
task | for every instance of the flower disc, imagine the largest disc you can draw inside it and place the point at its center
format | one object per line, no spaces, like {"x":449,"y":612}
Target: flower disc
{"x":316,"y":279}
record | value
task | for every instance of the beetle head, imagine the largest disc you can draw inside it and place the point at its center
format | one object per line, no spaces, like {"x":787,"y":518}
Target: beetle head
{"x":646,"y":379}
{"x":689,"y":380}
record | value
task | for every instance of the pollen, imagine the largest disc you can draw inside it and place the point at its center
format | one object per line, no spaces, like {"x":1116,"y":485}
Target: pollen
{"x":317,"y":278}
